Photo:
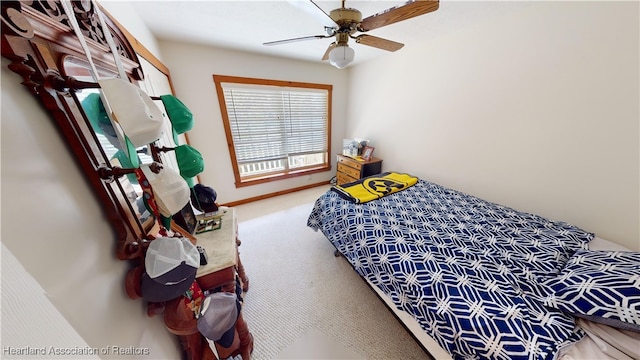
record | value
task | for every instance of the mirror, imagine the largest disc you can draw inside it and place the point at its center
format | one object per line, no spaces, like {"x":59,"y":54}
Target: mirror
{"x":44,"y":51}
{"x":89,"y":101}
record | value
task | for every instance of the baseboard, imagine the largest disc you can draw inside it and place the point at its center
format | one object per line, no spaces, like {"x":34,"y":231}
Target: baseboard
{"x":274,"y":194}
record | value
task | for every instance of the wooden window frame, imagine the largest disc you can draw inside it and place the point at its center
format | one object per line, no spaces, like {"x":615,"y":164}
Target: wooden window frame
{"x":259,"y":179}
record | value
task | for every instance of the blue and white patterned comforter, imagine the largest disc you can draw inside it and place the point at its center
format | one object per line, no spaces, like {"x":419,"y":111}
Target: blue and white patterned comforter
{"x":471,"y":272}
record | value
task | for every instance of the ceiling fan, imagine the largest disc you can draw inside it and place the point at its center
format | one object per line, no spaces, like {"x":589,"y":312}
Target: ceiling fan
{"x":343,"y":23}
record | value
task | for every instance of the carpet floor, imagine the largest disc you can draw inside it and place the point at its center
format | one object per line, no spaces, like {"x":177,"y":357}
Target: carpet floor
{"x":305,"y":303}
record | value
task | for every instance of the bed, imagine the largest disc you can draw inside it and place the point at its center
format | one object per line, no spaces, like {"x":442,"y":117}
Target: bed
{"x":473,"y":279}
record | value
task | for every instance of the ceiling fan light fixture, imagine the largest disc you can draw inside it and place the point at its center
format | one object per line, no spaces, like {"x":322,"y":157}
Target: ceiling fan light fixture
{"x":341,"y":56}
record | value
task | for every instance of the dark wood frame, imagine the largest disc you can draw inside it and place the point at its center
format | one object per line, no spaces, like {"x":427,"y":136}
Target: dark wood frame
{"x":37,"y":38}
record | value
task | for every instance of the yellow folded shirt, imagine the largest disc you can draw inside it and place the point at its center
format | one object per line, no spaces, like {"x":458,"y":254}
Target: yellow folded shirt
{"x":375,"y":187}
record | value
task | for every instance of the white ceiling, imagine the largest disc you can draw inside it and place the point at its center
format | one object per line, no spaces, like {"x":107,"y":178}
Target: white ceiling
{"x":245,"y":25}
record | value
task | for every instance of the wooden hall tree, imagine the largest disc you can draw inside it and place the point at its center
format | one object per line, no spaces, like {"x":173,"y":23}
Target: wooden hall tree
{"x":38,"y":40}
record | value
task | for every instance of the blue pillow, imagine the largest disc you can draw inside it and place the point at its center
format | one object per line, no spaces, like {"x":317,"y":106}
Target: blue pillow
{"x":601,"y":286}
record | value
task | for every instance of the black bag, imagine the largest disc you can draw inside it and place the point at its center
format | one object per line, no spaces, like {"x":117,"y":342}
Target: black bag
{"x":203,"y":198}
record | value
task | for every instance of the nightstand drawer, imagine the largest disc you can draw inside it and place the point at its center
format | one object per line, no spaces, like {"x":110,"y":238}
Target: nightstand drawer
{"x":342,"y":168}
{"x":343,"y":179}
{"x":349,"y":162}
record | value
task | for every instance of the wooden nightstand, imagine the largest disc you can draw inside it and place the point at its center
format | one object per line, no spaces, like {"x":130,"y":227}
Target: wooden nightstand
{"x":350,"y":169}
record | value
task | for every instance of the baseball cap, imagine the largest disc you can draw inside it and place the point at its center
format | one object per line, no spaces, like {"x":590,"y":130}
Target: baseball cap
{"x":137,"y":121}
{"x":97,"y":115}
{"x":204,"y":198}
{"x":190,"y":161}
{"x":179,"y":114}
{"x":170,"y":268}
{"x":170,"y":190}
{"x":218,"y":315}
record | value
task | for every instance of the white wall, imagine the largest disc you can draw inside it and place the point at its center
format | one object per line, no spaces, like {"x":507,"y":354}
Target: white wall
{"x":192,"y":69}
{"x":126,"y":15}
{"x":538,"y":110}
{"x":38,"y":319}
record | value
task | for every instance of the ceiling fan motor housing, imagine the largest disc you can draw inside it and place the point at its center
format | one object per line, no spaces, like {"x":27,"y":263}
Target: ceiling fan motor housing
{"x":347,"y":18}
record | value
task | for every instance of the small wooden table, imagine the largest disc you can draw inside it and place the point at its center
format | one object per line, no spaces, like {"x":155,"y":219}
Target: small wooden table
{"x":220,"y":274}
{"x":221,"y":247}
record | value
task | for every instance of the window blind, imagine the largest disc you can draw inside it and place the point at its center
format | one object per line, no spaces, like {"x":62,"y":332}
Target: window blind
{"x":274,"y":123}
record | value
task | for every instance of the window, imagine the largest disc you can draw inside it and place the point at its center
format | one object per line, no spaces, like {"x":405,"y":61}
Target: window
{"x":275,"y":129}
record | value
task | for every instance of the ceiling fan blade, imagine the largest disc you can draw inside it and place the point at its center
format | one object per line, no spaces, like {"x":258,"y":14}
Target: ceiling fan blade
{"x":304,"y":38}
{"x":326,"y":53}
{"x":314,"y":10}
{"x":379,"y":43}
{"x":399,"y":13}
